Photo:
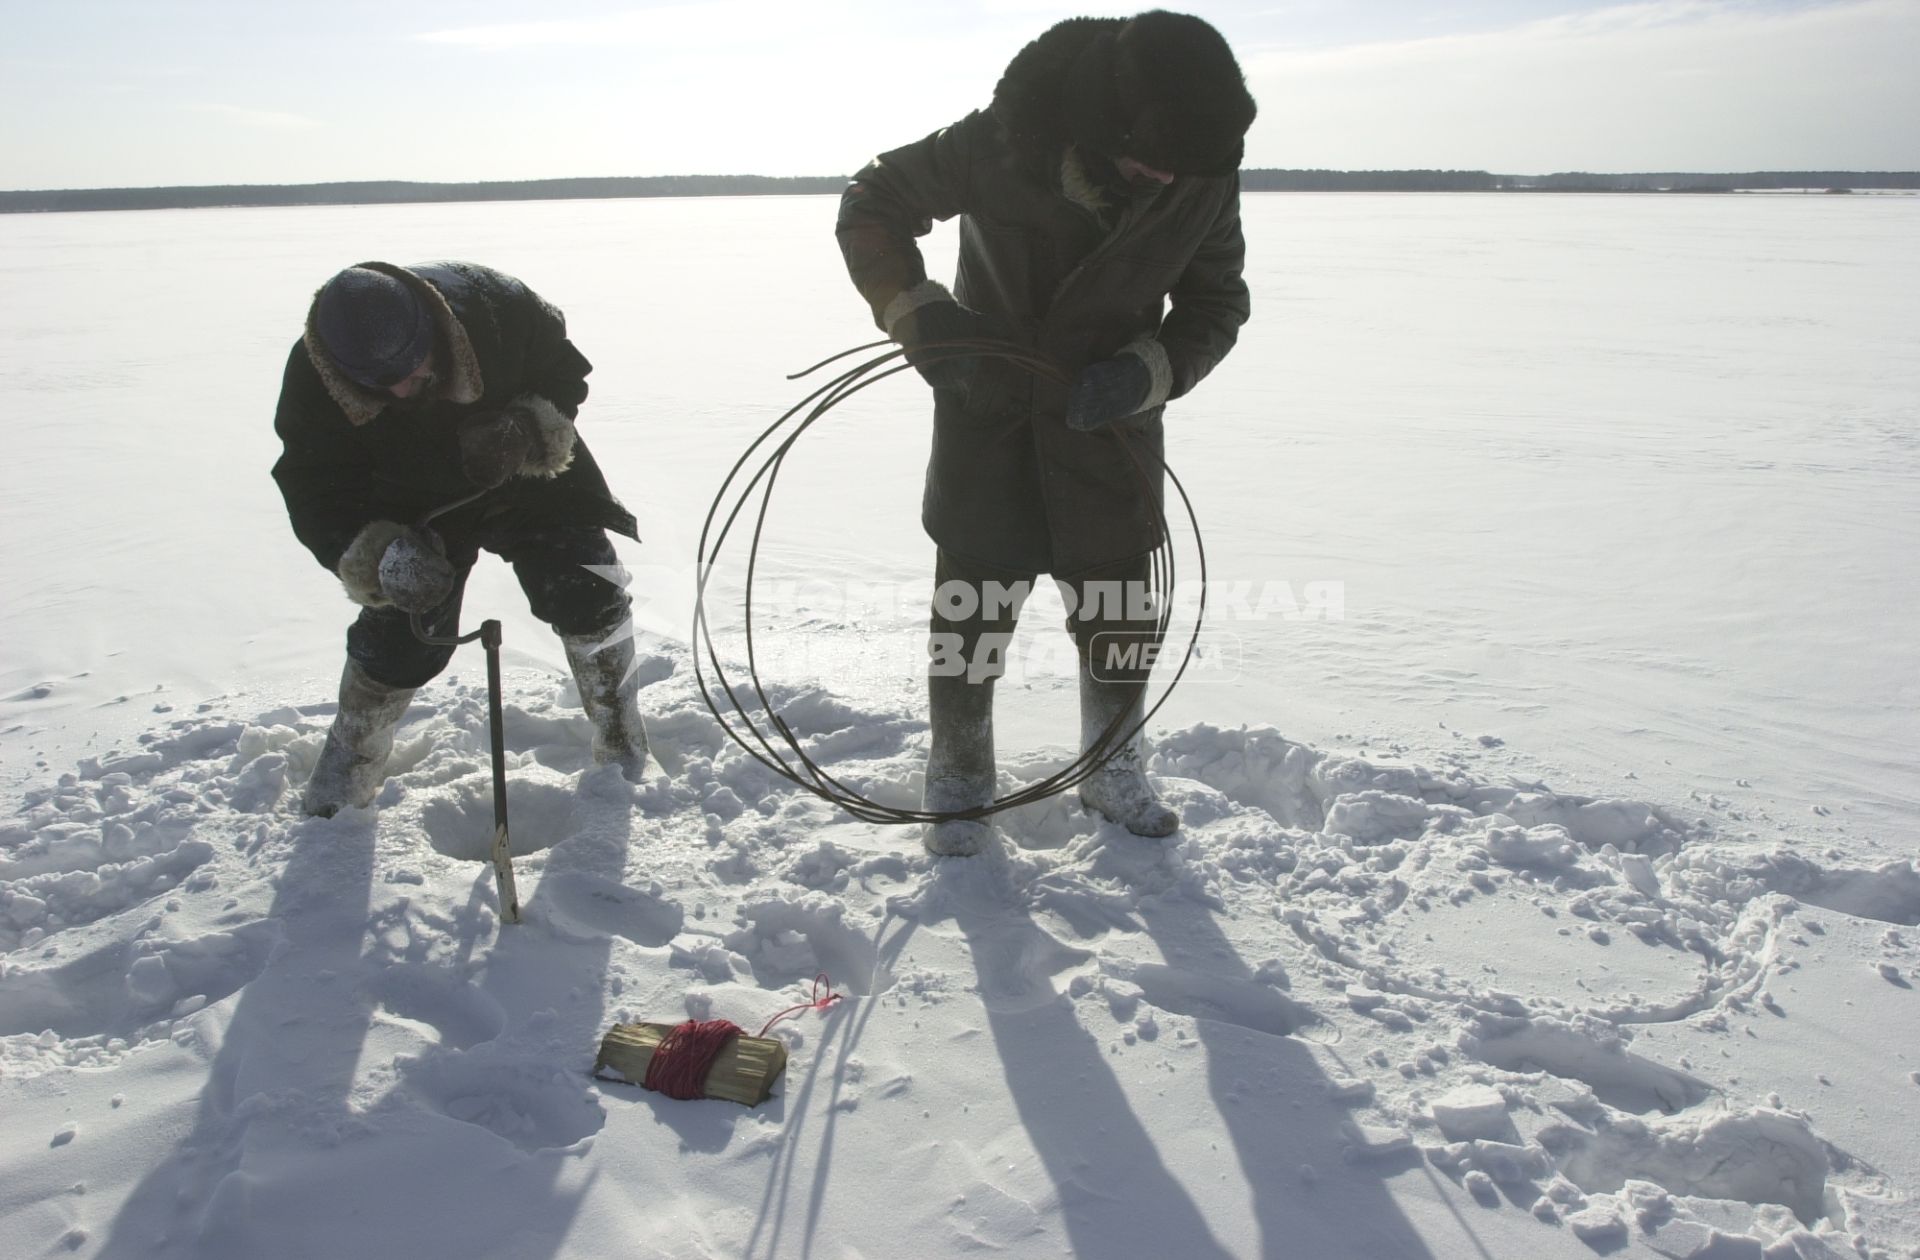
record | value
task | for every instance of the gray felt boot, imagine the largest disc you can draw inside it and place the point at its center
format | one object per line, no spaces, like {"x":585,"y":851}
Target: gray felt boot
{"x":1118,"y":790}
{"x":959,"y":764}
{"x":609,"y":690}
{"x":353,"y":763}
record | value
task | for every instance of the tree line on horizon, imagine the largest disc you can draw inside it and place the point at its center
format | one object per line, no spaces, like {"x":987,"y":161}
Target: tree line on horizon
{"x":1253,"y":179}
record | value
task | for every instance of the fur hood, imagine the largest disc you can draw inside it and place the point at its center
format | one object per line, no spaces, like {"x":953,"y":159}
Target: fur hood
{"x":1161,"y":87}
{"x":461,"y":384}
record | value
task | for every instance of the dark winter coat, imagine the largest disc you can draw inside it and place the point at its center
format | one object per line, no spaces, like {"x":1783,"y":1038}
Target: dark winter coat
{"x":358,"y":464}
{"x":1009,"y":484}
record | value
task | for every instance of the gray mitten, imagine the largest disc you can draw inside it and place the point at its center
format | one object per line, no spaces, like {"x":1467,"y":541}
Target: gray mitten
{"x":928,"y":332}
{"x":493,"y":447}
{"x":1109,"y":390}
{"x":415,"y":575}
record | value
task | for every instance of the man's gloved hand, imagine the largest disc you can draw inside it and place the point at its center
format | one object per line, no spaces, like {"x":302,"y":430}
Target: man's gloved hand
{"x":493,"y":447}
{"x":950,"y":368}
{"x":1109,"y":390}
{"x":415,"y":575}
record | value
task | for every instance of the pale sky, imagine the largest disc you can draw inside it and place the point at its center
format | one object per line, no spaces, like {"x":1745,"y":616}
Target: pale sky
{"x":98,"y":93}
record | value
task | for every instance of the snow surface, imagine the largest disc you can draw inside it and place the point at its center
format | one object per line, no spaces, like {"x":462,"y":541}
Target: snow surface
{"x":1559,"y":898}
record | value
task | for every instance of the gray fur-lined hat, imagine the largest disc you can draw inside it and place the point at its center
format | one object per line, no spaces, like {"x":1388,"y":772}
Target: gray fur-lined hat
{"x":375,"y":327}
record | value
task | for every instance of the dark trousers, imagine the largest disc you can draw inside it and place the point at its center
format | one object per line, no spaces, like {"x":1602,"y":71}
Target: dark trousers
{"x":550,"y":562}
{"x":1111,"y":617}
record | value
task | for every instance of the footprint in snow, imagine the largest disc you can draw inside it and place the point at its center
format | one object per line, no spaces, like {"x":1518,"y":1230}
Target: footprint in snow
{"x":590,"y":907}
{"x":461,"y":1015}
{"x":1626,"y":1082}
{"x":1222,"y":999}
{"x":533,"y":1105}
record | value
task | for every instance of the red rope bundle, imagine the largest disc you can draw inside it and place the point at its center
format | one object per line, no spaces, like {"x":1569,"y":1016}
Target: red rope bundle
{"x":685,"y":1056}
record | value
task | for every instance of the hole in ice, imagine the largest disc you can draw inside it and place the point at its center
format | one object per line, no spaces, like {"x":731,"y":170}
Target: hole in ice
{"x":458,"y":816}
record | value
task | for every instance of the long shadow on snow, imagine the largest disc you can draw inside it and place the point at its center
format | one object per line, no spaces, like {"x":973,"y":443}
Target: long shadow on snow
{"x":769,"y":1227}
{"x":274,"y":1152}
{"x":523,"y":1176}
{"x":271,"y":1061}
{"x":1270,"y":1090}
{"x":1116,"y":1195}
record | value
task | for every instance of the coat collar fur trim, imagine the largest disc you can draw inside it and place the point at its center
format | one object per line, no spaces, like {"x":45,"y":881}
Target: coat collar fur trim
{"x":462,"y":384}
{"x":1081,"y":188}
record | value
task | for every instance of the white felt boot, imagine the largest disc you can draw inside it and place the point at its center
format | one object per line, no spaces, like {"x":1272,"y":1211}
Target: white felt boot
{"x":353,"y":763}
{"x":609,"y":692}
{"x":1119,"y":790}
{"x":959,"y":764}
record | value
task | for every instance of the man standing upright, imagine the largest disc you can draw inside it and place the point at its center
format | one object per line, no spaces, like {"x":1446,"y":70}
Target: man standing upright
{"x":417,"y":388}
{"x":1102,"y":181}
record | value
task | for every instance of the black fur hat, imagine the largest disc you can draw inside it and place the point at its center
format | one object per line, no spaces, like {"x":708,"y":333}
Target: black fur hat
{"x":1164,"y":89}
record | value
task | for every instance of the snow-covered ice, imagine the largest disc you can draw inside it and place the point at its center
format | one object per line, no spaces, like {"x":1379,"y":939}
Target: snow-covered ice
{"x":1561,"y":899}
